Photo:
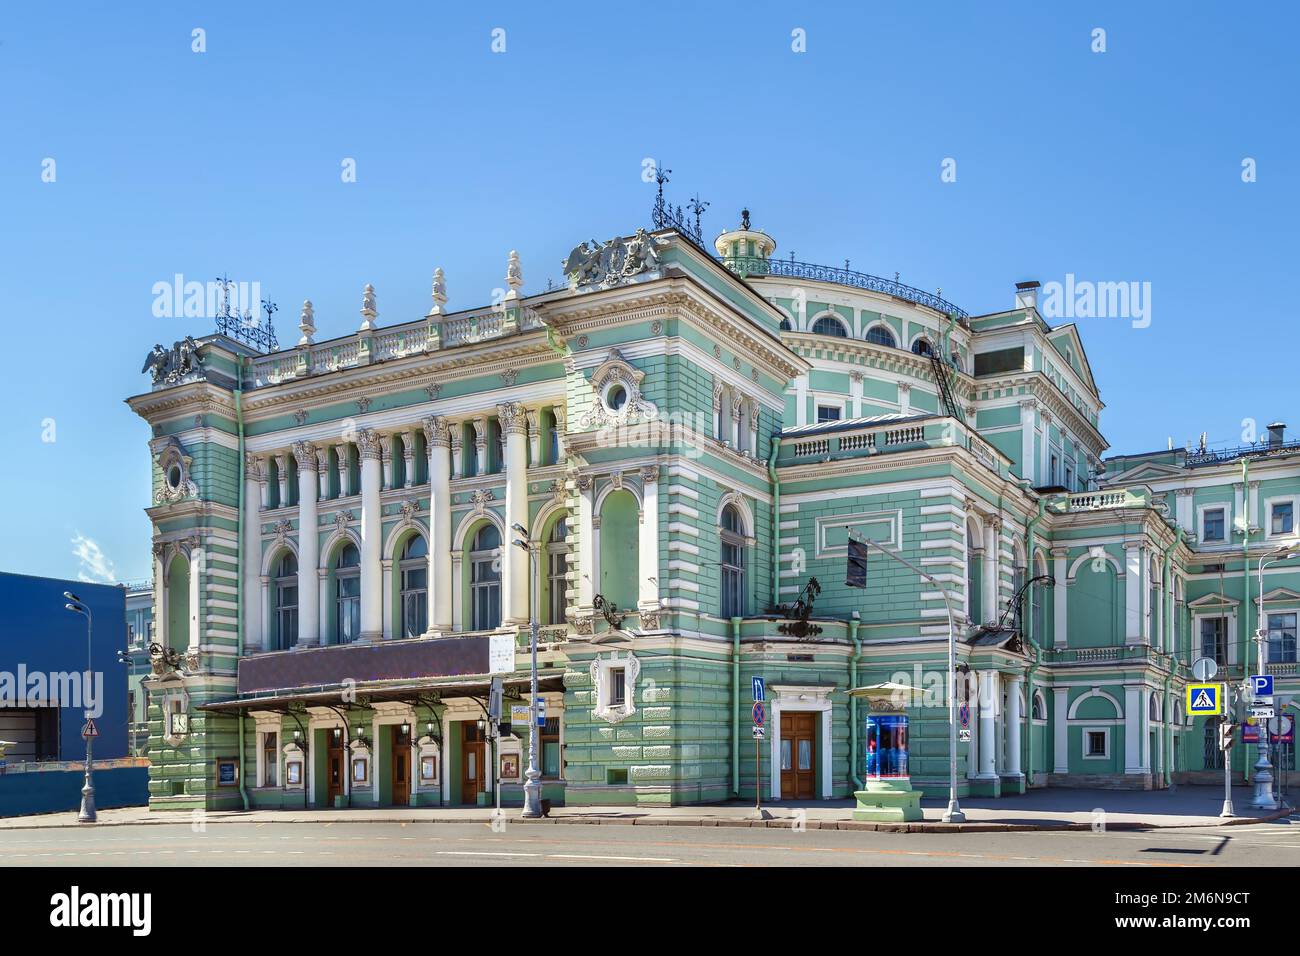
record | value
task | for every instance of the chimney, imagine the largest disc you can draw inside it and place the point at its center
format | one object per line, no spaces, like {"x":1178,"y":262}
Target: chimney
{"x":1027,"y":295}
{"x":1276,"y":434}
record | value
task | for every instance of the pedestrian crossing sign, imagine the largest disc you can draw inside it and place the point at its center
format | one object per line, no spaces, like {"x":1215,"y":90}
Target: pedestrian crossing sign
{"x":1204,"y":700}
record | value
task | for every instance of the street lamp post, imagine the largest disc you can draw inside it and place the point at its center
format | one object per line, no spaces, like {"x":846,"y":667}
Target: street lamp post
{"x":954,"y":812}
{"x":532,"y":786}
{"x":1263,"y":797}
{"x":87,"y":812}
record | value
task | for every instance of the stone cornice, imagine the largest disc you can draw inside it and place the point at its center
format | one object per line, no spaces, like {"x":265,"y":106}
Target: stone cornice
{"x":657,"y":300}
{"x":191,"y":398}
{"x":191,"y":509}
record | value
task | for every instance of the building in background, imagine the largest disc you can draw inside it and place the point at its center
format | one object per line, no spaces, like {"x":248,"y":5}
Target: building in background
{"x":43,"y":691}
{"x":139,"y":635}
{"x":689,"y":435}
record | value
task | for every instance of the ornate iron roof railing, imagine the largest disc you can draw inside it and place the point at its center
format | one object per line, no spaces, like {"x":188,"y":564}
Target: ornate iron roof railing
{"x":745,"y":266}
{"x":1259,"y":450}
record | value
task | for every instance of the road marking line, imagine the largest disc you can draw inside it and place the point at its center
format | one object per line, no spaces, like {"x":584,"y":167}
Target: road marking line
{"x":479,"y":853}
{"x":588,"y":856}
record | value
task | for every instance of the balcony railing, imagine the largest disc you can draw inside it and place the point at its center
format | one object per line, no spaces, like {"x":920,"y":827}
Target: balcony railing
{"x":746,"y":266}
{"x":1105,"y":500}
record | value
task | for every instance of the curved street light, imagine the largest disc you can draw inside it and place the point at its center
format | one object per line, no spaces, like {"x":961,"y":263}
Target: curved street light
{"x":87,"y":812}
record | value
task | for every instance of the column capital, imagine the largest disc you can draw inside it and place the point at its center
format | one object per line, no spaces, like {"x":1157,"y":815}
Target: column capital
{"x":512,"y":418}
{"x":322,"y":457}
{"x":1184,"y":492}
{"x":304,"y":453}
{"x":254,"y":467}
{"x":368,"y":443}
{"x":650,"y":474}
{"x":437,"y":431}
{"x":1060,"y":552}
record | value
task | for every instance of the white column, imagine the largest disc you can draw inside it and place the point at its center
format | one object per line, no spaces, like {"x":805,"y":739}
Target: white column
{"x":1044,"y":458}
{"x":855,"y":393}
{"x":534,"y":416}
{"x":457,"y":456}
{"x":991,"y":564}
{"x":198,"y":569}
{"x":1238,"y":507}
{"x":1061,"y":729}
{"x":322,"y":596}
{"x":323,"y":471}
{"x":1132,"y":729}
{"x":648,"y":551}
{"x":904,"y":398}
{"x":515,"y":570}
{"x":408,"y":458}
{"x":734,"y":433}
{"x":264,"y":588}
{"x":800,"y":400}
{"x":586,"y":542}
{"x":386,"y":450}
{"x":1133,"y":552}
{"x":251,"y":549}
{"x":308,"y":544}
{"x":437,"y":435}
{"x":1060,"y":619}
{"x":263,"y":482}
{"x":560,"y":417}
{"x":1253,"y":517}
{"x":480,"y":450}
{"x":1013,"y":725}
{"x":988,"y":689}
{"x":372,"y":608}
{"x":282,"y":473}
{"x":1027,"y":440}
{"x":1144,"y":721}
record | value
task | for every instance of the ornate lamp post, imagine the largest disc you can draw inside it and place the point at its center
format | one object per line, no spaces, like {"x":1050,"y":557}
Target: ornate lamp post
{"x":532,"y":787}
{"x":87,"y":813}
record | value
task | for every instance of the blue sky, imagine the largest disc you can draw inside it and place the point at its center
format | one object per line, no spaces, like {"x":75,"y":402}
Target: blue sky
{"x":1116,"y":166}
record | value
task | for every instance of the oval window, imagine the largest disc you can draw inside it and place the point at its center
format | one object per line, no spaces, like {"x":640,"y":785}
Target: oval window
{"x":616,"y":398}
{"x":174,"y":476}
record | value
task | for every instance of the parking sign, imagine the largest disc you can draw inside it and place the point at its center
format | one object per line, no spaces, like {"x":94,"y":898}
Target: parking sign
{"x":1261,"y":685}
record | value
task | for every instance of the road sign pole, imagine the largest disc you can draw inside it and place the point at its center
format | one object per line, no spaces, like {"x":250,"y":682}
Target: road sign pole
{"x":1227,"y":810}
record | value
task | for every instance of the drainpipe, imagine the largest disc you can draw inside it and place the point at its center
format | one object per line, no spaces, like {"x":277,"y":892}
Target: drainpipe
{"x":239,"y":577}
{"x":1245,"y":583}
{"x":1026,"y":739}
{"x":735,"y":707}
{"x":853,"y":704}
{"x":1171,"y":625}
{"x":776,"y":522}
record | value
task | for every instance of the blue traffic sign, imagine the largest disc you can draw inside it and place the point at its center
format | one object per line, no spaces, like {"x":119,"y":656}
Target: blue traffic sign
{"x":758,"y":689}
{"x":1261,"y":685}
{"x":760,"y":714}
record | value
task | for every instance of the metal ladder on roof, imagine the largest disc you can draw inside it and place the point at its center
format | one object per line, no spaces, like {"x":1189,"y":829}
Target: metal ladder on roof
{"x":940,"y":370}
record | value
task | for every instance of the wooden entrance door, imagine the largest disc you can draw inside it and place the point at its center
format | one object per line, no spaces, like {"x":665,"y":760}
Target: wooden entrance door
{"x":798,"y":756}
{"x":401,"y":763}
{"x":472,"y":767}
{"x":336,"y":764}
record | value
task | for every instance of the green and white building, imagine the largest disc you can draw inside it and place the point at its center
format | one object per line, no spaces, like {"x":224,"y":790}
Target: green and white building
{"x":688,"y":436}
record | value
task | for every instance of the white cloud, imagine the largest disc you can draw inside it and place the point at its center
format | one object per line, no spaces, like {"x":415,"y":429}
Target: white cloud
{"x":95,"y":565}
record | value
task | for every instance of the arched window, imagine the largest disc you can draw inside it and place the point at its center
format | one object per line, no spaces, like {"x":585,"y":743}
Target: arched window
{"x":556,"y":567}
{"x":955,"y":358}
{"x":415,"y":586}
{"x":880,"y":335}
{"x":786,"y":326}
{"x":1040,"y":707}
{"x":829,"y":325}
{"x":922,"y":346}
{"x":733,"y":562}
{"x":347,"y":594}
{"x":286,"y":602}
{"x":1153,"y":710}
{"x":485,"y":579}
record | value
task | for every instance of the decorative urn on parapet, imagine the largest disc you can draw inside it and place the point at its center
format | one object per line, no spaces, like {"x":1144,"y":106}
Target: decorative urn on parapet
{"x":888,"y":797}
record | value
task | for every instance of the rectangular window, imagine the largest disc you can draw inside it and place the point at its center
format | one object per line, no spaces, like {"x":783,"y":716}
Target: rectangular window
{"x":1214,"y":639}
{"x":617,"y":687}
{"x":1281,"y":638}
{"x":1052,"y":469}
{"x":1212,"y":524}
{"x":1069,"y":478}
{"x":1282,"y":518}
{"x":1095,"y":743}
{"x":828,"y":413}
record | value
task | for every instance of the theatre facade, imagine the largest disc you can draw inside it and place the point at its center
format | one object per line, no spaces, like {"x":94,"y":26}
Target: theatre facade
{"x":662,"y":460}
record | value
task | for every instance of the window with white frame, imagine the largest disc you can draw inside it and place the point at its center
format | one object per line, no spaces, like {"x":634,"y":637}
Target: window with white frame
{"x":485,"y":579}
{"x":1281,"y":638}
{"x":829,"y":413}
{"x":1214,"y":639}
{"x":829,"y":325}
{"x":347,"y":595}
{"x":1281,"y":517}
{"x":617,"y":686}
{"x":879,"y":334}
{"x":1096,"y":743}
{"x":1052,"y":465}
{"x":286,"y":602}
{"x":557,"y":566}
{"x":1214,"y":522}
{"x":270,"y":759}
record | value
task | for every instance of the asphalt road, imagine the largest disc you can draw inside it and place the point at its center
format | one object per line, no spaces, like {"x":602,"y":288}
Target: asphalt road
{"x":443,"y":844}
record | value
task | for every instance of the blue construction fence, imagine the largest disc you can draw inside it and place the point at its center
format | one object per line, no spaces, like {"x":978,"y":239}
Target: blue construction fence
{"x":55,"y":786}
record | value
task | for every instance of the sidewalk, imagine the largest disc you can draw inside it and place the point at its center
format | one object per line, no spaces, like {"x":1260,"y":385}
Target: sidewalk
{"x":1051,"y":809}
